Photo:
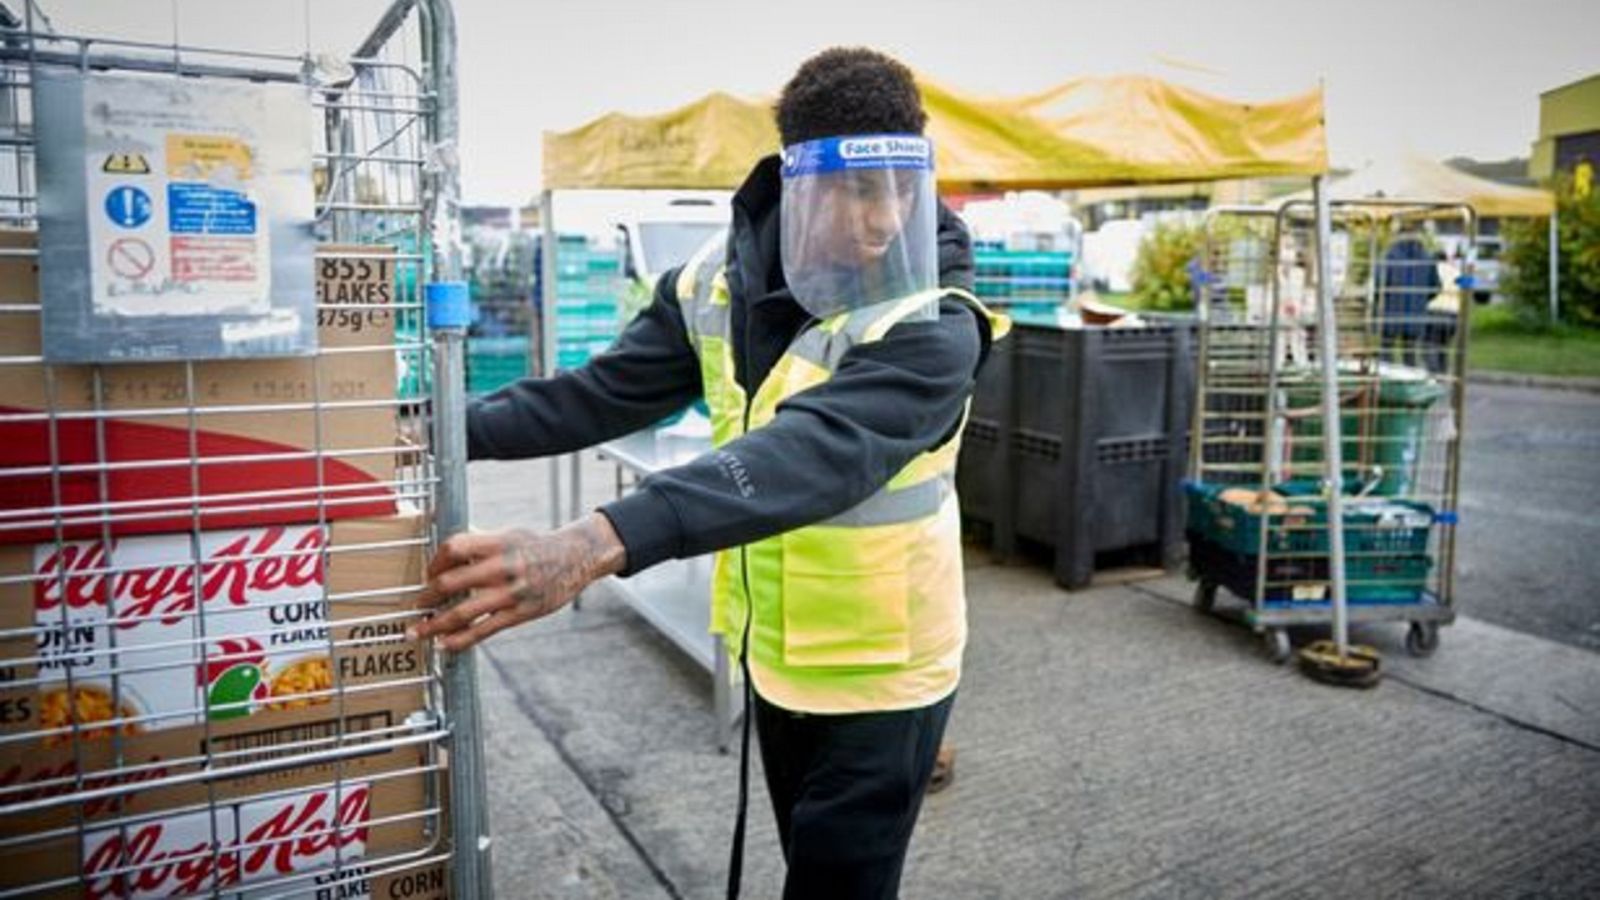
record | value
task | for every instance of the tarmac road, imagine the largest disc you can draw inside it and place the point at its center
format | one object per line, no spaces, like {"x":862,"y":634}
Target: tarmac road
{"x":1528,"y":550}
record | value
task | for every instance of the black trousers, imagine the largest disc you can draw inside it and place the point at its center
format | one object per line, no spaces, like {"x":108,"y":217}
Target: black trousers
{"x":846,"y":790}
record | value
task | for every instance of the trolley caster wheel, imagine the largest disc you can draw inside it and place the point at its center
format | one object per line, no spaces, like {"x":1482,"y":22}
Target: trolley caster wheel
{"x":1422,"y":638}
{"x":1205,"y":597}
{"x":1278,"y":648}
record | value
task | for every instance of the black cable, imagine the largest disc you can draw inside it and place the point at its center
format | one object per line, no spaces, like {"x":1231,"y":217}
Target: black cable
{"x":736,"y":854}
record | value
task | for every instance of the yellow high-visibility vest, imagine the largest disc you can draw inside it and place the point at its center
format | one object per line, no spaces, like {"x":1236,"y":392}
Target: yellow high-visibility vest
{"x":865,"y":611}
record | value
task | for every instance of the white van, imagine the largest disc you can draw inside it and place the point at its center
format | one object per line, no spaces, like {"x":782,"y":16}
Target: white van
{"x":655,"y":240}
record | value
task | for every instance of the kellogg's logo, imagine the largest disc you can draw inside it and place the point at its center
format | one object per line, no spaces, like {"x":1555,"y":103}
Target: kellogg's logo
{"x":255,"y":840}
{"x":269,"y":559}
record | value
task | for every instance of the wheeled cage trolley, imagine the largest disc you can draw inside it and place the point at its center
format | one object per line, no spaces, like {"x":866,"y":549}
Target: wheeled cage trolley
{"x":1258,"y":511}
{"x":208,"y":562}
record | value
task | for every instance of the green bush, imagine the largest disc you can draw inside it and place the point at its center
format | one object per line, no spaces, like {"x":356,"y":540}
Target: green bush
{"x":1525,"y":278}
{"x":1161,"y":269}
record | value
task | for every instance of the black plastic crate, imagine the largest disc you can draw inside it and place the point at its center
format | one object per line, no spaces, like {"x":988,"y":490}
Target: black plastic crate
{"x":983,"y":477}
{"x":1077,"y":441}
{"x":979,"y":469}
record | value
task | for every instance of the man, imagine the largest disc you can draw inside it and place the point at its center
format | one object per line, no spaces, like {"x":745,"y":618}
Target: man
{"x":837,"y":372}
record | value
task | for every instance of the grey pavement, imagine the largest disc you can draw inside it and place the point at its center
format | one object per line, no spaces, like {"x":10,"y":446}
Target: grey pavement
{"x":1112,"y":743}
{"x":1530,"y":512}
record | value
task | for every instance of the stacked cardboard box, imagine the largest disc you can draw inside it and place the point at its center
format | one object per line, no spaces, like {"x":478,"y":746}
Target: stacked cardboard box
{"x":269,"y":619}
{"x":363,"y":829}
{"x":235,"y":445}
{"x":209,"y":574}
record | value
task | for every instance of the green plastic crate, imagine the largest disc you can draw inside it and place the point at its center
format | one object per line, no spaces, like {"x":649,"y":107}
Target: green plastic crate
{"x":1386,"y":544}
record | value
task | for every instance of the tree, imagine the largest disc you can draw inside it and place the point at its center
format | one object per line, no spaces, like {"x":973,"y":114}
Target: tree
{"x":1161,"y":269}
{"x":1526,"y":279}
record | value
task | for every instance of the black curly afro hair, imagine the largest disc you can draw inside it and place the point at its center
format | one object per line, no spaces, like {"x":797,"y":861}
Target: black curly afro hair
{"x":849,"y":90}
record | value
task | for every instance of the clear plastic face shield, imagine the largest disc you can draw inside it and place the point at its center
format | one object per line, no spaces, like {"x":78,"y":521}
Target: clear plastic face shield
{"x":859,"y":221}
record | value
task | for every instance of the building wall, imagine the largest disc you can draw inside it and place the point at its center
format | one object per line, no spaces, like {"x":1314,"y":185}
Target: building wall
{"x":1569,"y":124}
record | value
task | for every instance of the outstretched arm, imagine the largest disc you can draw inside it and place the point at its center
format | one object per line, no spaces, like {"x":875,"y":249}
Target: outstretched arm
{"x":648,"y":374}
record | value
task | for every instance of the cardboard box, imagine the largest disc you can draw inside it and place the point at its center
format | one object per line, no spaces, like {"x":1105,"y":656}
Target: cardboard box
{"x":41,"y":790}
{"x":257,"y":839}
{"x":268,"y":583}
{"x":250,"y":627}
{"x":241,"y":408}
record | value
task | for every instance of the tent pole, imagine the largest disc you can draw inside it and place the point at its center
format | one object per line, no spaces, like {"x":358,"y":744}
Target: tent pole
{"x":1332,"y":446}
{"x":1555,"y":269}
{"x":547,"y":327}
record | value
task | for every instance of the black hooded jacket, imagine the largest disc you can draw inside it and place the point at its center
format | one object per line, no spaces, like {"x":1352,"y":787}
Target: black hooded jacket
{"x":827,"y":449}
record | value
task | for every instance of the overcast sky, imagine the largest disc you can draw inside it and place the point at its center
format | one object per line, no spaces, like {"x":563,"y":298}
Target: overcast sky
{"x":1437,"y":77}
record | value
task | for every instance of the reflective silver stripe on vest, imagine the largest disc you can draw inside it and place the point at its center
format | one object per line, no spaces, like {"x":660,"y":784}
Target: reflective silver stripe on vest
{"x":710,"y":320}
{"x":862,"y":320}
{"x":704,"y":318}
{"x":908,"y":504}
{"x":817,"y":347}
{"x":856,"y":327}
{"x":827,"y":348}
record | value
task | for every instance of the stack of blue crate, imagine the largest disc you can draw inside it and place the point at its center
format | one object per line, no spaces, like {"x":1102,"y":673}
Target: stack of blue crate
{"x":502,"y":272}
{"x":588,"y":290}
{"x":1024,"y":280}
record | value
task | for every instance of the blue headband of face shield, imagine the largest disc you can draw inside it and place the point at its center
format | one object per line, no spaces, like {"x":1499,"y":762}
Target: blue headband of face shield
{"x":870,"y":151}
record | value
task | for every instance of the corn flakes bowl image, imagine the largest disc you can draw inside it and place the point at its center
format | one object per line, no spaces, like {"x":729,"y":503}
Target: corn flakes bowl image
{"x":300,"y":683}
{"x":92,"y":708}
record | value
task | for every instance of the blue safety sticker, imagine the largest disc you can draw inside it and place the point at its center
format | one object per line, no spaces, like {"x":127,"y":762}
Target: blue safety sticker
{"x":862,"y":151}
{"x":128,"y":206}
{"x":203,"y":209}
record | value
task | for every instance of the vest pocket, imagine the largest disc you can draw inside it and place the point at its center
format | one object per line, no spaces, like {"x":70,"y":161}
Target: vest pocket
{"x":846,"y":596}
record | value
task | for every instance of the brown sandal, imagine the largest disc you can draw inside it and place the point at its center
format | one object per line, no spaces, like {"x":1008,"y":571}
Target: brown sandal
{"x":944,"y":769}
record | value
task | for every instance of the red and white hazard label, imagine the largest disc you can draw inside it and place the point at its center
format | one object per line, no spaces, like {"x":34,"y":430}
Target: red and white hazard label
{"x":214,"y":259}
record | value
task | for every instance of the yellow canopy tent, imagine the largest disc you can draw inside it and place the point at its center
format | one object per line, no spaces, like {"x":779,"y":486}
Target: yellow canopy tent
{"x":1088,"y":132}
{"x":1426,"y":181}
{"x":1083,"y":133}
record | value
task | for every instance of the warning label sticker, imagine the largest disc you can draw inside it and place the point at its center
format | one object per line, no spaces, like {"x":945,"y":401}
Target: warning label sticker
{"x":131,"y":258}
{"x":205,"y":157}
{"x":126,"y":164}
{"x":202,"y":209}
{"x":214,"y":259}
{"x":127,"y":207}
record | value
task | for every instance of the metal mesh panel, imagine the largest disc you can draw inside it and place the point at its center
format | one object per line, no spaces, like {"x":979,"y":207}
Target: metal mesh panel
{"x":206,"y":569}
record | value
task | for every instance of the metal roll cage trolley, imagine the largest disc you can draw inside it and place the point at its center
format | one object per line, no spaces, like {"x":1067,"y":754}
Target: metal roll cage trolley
{"x":205,"y":682}
{"x":1325,"y":457}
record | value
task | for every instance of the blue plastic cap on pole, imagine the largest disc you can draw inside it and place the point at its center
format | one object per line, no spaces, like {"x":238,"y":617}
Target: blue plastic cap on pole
{"x":449,"y":304}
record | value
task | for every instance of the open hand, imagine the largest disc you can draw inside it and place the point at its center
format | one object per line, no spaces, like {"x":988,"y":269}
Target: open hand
{"x":511,"y":577}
